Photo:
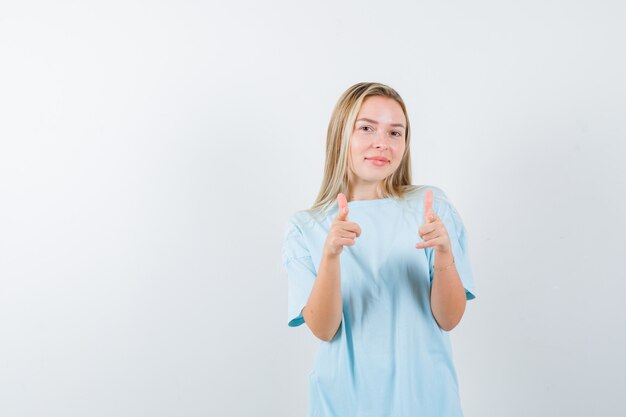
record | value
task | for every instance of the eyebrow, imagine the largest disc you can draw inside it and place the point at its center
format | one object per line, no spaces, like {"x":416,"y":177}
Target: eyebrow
{"x":375,"y":122}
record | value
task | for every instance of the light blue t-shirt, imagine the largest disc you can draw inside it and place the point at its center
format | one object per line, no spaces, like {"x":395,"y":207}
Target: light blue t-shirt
{"x":389,"y":357}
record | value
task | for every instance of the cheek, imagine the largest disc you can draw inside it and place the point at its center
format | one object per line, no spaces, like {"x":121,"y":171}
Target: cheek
{"x":398,"y":148}
{"x":398,"y":152}
{"x":358,"y":147}
{"x":356,"y":152}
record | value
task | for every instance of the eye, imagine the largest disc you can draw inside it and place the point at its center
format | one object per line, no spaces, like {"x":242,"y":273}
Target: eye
{"x":365,"y":127}
{"x":398,"y":134}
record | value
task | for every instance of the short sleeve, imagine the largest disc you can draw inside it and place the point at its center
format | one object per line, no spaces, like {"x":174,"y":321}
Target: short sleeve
{"x":301,"y":275}
{"x":458,"y":240}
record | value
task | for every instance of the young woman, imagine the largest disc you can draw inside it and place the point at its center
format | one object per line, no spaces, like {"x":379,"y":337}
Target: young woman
{"x":378,"y":269}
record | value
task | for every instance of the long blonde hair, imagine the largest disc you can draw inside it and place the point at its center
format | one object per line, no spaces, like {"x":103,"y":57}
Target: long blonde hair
{"x":342,"y":121}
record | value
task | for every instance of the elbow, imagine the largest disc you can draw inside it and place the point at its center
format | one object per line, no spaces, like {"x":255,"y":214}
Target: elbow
{"x":319,"y":330}
{"x":446,"y":322}
{"x":448,"y":325}
{"x":326,"y":336}
{"x":448,"y":319}
{"x":447,"y":328}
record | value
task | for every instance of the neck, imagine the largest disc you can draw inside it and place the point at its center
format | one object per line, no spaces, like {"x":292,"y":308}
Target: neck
{"x":365,"y":192}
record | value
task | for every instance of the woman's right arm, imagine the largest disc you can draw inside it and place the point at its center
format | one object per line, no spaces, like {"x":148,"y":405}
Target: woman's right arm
{"x":322,"y":312}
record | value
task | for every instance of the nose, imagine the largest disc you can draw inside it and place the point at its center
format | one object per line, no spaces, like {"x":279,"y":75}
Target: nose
{"x":381,"y":141}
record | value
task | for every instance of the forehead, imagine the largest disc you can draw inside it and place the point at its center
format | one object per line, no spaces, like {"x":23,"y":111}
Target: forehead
{"x":381,"y":109}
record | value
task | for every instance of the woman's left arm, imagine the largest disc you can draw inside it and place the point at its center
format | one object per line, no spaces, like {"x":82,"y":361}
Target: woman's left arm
{"x":447,"y":294}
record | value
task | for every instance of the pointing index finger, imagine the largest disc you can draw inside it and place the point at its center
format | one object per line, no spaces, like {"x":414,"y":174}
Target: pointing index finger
{"x":342,"y":202}
{"x":428,"y":206}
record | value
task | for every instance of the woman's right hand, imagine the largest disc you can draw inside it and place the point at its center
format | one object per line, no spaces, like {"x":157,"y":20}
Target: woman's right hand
{"x":342,"y":232}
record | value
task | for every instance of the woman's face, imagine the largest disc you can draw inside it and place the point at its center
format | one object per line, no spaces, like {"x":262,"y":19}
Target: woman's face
{"x":379,"y":131}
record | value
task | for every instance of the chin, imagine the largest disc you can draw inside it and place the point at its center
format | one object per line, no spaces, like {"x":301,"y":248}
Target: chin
{"x":371,"y":178}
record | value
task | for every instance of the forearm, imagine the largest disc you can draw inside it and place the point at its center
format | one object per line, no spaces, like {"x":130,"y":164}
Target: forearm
{"x":447,"y":295}
{"x":322,"y":312}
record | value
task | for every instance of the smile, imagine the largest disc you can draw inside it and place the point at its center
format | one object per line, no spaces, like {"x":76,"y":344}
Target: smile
{"x":378,"y":162}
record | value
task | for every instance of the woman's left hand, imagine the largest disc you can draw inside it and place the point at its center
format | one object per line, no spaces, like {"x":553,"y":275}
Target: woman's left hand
{"x":433,"y":231}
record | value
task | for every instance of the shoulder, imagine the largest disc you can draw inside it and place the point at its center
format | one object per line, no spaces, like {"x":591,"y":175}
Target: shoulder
{"x":301,"y":220}
{"x":302,"y":217}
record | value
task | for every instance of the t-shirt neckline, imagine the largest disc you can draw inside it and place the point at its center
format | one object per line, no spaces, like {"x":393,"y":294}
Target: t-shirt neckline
{"x":376,"y":201}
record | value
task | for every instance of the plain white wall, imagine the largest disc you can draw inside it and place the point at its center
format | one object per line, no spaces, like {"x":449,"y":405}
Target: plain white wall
{"x":151,"y":153}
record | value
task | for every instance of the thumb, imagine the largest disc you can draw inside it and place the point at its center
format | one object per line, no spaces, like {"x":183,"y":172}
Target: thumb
{"x":342,"y":202}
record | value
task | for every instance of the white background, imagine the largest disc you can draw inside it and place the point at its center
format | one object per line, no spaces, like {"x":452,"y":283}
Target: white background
{"x":151,"y":153}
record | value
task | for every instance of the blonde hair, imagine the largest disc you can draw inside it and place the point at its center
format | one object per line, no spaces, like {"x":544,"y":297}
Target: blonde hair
{"x":340,"y":128}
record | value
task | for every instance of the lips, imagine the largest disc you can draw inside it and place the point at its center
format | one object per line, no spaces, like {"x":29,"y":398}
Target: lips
{"x":379,"y":158}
